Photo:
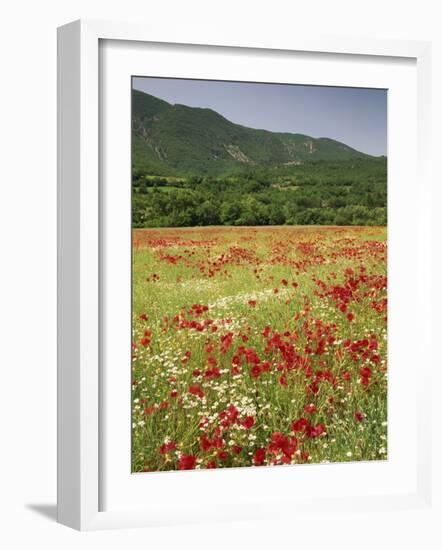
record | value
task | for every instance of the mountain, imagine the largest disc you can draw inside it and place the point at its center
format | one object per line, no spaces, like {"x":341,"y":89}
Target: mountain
{"x":179,"y":140}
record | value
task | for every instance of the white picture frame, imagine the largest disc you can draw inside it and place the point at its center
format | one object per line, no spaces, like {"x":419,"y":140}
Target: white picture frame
{"x":80,"y":270}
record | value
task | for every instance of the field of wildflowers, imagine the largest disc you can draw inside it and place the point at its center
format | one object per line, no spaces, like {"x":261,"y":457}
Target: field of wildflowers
{"x":256,"y":346}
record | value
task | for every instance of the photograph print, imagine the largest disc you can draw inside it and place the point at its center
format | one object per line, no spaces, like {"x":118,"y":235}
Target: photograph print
{"x":259,"y":274}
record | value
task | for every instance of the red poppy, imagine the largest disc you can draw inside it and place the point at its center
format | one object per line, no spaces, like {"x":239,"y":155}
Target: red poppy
{"x":300,"y":425}
{"x":205,"y":443}
{"x":315,"y":431}
{"x":223,"y":455}
{"x":259,"y":457}
{"x":167,"y":447}
{"x":187,"y":462}
{"x":281,"y":443}
{"x":226,"y":342}
{"x":255,"y":371}
{"x":236,"y":360}
{"x":248,"y":422}
{"x":212,"y":373}
{"x":233,"y":412}
{"x":196,"y":389}
{"x":251,"y":357}
{"x":365,"y":371}
{"x":266,"y":332}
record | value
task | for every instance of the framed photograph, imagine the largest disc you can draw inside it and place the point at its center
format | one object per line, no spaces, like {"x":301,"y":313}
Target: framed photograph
{"x":240,"y":287}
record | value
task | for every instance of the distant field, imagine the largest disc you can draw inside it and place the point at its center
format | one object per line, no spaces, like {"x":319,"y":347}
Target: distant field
{"x":258,"y":346}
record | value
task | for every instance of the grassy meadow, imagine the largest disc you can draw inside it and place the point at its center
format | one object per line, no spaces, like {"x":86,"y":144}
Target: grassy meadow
{"x":258,"y":346}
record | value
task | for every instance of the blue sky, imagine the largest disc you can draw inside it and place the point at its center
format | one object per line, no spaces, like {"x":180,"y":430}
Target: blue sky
{"x":355,"y":116}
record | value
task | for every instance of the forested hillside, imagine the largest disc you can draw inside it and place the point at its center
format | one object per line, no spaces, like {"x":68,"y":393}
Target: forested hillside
{"x":180,"y":140}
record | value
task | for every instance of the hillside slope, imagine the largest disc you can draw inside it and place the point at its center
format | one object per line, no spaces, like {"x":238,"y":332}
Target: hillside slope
{"x":179,"y":140}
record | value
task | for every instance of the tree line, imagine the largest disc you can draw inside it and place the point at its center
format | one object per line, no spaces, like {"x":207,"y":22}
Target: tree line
{"x":321,"y":193}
